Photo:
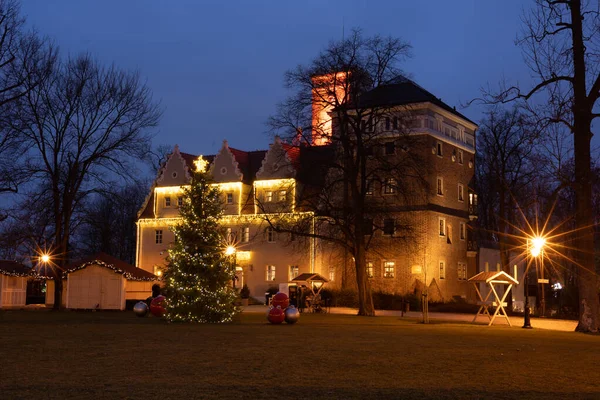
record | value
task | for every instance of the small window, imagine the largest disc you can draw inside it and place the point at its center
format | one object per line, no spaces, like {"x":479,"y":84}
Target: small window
{"x":390,"y":148}
{"x":282,"y":195}
{"x":389,"y":227}
{"x":229,"y":235}
{"x":179,"y":201}
{"x":461,"y":192}
{"x":389,"y":269}
{"x":229,"y":198}
{"x":442,"y":270}
{"x":439,"y":149}
{"x":268,"y":196}
{"x":270,"y":235}
{"x":472,"y":199}
{"x":442,"y":227}
{"x":245,"y":234}
{"x":294,"y":271}
{"x":270,"y":273}
{"x":332,"y":273}
{"x":368,"y":226}
{"x":462,"y":271}
{"x":463,"y":232}
{"x":168,"y":201}
{"x":369,"y":269}
{"x":159,"y":236}
{"x":389,"y":187}
{"x":440,"y":186}
{"x":369,"y":190}
{"x":460,"y":157}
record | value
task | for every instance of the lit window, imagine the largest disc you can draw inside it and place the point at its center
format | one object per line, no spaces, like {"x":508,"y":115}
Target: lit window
{"x":440,"y":186}
{"x":294,"y":271}
{"x":268,"y":196}
{"x":442,"y":227}
{"x":369,"y":269}
{"x":442,"y":270}
{"x":389,"y":187}
{"x":270,"y":235}
{"x":460,"y":157}
{"x":462,"y":271}
{"x":390,"y":148}
{"x":389,"y":269}
{"x":157,"y":270}
{"x":270,"y":272}
{"x":332,"y":273}
{"x":282,"y":195}
{"x":167,"y":201}
{"x":389,"y":227}
{"x":159,"y":236}
{"x":245,"y":234}
{"x":179,"y":201}
{"x":463,"y":229}
{"x":439,"y":149}
{"x":229,"y":235}
{"x":229,"y":198}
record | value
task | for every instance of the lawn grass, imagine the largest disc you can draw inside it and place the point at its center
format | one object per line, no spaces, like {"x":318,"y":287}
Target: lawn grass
{"x":100,"y":355}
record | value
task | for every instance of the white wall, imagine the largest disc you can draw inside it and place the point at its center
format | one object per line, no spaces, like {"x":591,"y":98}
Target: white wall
{"x":13,"y":291}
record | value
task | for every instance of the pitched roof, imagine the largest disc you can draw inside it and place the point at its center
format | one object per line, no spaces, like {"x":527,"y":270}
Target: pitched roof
{"x":249,"y":162}
{"x":493,"y":276}
{"x":14,"y":268}
{"x":403,"y":91}
{"x":118,"y":266}
{"x":310,"y":276}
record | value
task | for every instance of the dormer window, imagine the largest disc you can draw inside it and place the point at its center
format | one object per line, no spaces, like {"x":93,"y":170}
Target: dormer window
{"x":229,"y":198}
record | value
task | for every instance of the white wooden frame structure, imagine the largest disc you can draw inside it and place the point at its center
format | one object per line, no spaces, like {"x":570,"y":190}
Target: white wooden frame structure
{"x":491,"y":279}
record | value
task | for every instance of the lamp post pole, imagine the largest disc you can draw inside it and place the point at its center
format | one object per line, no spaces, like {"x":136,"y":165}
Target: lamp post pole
{"x":527,"y":319}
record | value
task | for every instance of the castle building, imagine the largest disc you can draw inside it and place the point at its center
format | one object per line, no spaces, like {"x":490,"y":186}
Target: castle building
{"x":436,"y":251}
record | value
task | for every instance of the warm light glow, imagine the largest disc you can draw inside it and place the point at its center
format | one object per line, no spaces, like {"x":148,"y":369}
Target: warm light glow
{"x":537,"y":245}
{"x":243,"y":255}
{"x":200,"y":164}
{"x":170,"y":189}
{"x":45,"y":258}
{"x":272,"y":183}
{"x":158,"y":273}
{"x":229,"y":251}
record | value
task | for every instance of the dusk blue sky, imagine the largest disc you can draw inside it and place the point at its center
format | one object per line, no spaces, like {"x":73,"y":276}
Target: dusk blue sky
{"x":217,"y":66}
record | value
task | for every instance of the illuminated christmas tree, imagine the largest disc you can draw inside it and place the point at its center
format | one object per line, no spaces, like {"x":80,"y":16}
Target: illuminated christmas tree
{"x":199,"y":274}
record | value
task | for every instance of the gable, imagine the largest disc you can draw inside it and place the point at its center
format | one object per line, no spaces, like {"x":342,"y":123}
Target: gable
{"x":175,"y":172}
{"x":277,"y":163}
{"x":225,"y":167}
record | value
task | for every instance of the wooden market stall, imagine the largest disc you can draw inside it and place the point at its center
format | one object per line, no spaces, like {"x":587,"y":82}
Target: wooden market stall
{"x":492,"y":280}
{"x":13,"y":283}
{"x":314,"y":282}
{"x":103,"y":282}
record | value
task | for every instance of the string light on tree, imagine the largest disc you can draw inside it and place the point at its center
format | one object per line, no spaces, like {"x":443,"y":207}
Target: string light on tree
{"x":199,"y":273}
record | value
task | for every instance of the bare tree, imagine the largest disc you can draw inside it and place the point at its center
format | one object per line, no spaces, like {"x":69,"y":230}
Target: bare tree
{"x":25,"y":60}
{"x":84,"y":126}
{"x":359,"y":158}
{"x":561,"y":45}
{"x":506,"y":153}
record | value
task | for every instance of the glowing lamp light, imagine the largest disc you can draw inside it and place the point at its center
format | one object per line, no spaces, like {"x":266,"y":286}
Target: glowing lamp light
{"x":158,"y":273}
{"x":229,"y":251}
{"x":537,"y":244}
{"x":45,"y":258}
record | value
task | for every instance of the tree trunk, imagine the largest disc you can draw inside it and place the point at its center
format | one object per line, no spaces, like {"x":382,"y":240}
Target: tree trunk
{"x":365,"y":298}
{"x":589,"y":304}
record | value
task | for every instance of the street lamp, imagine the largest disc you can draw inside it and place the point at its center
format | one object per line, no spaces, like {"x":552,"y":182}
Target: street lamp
{"x":45,"y":258}
{"x":535,"y":249}
{"x":231,"y":251}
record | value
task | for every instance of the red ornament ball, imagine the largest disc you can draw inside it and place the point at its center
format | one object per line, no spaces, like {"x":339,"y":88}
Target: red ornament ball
{"x":281,"y":300}
{"x":276,"y":315}
{"x":158,"y":306}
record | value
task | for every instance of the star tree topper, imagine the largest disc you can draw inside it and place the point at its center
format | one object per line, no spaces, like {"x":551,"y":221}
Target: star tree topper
{"x":201,"y":164}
